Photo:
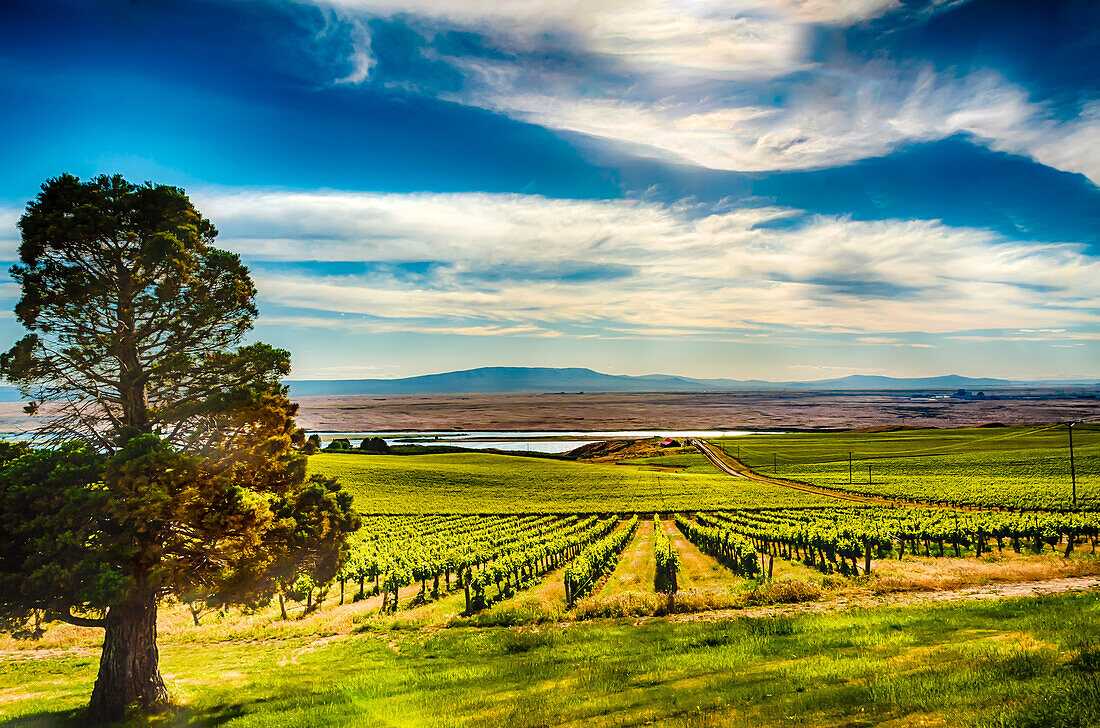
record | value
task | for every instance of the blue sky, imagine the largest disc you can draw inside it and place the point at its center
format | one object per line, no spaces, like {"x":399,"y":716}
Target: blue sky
{"x":781,"y":189}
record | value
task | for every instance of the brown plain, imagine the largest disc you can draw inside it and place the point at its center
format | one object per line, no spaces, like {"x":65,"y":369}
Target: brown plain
{"x":670,"y":411}
{"x":677,"y":411}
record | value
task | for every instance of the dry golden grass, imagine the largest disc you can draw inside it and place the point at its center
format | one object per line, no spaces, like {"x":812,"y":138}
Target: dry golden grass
{"x":920,"y":573}
{"x":686,"y":601}
{"x":545,"y":602}
{"x":624,"y":604}
{"x":174,"y":624}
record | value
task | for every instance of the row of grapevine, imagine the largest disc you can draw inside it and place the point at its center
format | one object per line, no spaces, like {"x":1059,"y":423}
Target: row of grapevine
{"x":528,"y":559}
{"x":836,"y":538}
{"x":725,"y":545}
{"x":595,"y":561}
{"x":668,"y":560}
{"x":394,"y":552}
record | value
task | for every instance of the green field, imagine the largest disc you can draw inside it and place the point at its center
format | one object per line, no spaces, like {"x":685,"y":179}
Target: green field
{"x":1011,"y":663}
{"x":483,"y":483}
{"x":1014,"y":467}
{"x":531,"y":660}
{"x":684,"y":463}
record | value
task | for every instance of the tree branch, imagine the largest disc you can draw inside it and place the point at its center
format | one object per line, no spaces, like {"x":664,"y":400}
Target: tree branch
{"x":68,"y":616}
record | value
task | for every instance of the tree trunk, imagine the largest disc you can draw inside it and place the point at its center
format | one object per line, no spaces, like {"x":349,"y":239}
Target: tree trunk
{"x":128,"y":668}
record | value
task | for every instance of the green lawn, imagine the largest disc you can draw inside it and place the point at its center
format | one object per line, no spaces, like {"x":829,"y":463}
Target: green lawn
{"x":485,"y":483}
{"x":1011,"y":466}
{"x":1022,"y":662}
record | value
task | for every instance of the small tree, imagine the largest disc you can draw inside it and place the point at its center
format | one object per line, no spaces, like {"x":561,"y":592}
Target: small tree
{"x":183,"y":471}
{"x":374,"y":444}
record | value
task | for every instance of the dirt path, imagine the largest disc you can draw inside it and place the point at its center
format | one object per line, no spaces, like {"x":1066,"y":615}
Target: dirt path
{"x":550,"y":592}
{"x":736,"y":468}
{"x":998,"y":591}
{"x":637,"y":565}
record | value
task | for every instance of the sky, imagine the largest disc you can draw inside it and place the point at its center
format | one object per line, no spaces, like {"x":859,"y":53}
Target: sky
{"x":772,"y":189}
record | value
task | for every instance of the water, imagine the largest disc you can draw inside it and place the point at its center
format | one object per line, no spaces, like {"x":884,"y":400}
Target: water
{"x":549,"y":441}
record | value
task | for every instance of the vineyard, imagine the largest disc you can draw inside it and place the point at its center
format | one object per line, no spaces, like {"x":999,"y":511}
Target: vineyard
{"x":835,"y":539}
{"x":484,"y":529}
{"x":567,"y":547}
{"x":1021,"y":468}
{"x":411,"y":560}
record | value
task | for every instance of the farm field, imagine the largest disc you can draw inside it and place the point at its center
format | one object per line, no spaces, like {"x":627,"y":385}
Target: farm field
{"x":484,"y":483}
{"x":494,"y":585}
{"x":999,"y":467}
{"x":1016,"y":662}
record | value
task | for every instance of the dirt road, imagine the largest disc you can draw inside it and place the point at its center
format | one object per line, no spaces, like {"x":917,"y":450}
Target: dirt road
{"x":737,"y":469}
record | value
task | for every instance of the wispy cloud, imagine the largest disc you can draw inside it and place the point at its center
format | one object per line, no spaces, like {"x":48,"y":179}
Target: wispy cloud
{"x":1026,"y":335}
{"x":726,"y":85}
{"x":678,"y":267}
{"x":9,"y":234}
{"x":361,"y":325}
{"x":362,"y":60}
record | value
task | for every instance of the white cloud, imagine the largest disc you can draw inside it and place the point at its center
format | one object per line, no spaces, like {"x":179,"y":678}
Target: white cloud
{"x":358,"y":325}
{"x":362,"y":61}
{"x":683,"y":80}
{"x":501,"y":264}
{"x":9,"y":233}
{"x":852,"y":115}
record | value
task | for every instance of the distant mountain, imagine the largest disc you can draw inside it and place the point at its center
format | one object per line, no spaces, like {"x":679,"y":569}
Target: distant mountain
{"x":499,"y":380}
{"x":547,"y":379}
{"x":489,"y":380}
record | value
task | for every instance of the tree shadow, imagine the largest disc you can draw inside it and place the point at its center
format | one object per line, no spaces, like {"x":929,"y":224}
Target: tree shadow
{"x":173,"y":717}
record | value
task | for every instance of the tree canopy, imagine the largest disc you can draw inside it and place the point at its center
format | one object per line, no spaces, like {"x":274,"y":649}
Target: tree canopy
{"x":135,"y":317}
{"x":176,"y":465}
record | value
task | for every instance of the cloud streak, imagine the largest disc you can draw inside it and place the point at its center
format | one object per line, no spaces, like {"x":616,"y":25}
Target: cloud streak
{"x":492,"y":265}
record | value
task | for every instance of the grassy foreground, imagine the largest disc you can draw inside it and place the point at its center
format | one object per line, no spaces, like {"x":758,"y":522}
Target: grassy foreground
{"x":1017,"y":662}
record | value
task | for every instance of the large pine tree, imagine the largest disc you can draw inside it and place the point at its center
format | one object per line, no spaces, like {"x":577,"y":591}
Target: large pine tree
{"x":175,"y":465}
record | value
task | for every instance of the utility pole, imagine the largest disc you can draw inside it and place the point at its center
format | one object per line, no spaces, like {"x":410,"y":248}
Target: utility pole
{"x":1072,"y":469}
{"x":849,"y":468}
{"x":868,"y":475}
{"x":775,"y":463}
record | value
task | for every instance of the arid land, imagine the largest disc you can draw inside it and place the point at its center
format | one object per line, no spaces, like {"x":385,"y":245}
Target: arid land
{"x":680,"y":411}
{"x":674,"y":411}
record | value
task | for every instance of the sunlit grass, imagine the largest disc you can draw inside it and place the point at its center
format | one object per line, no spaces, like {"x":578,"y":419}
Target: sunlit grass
{"x":484,"y":483}
{"x":1019,"y":467}
{"x":1018,"y":662}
